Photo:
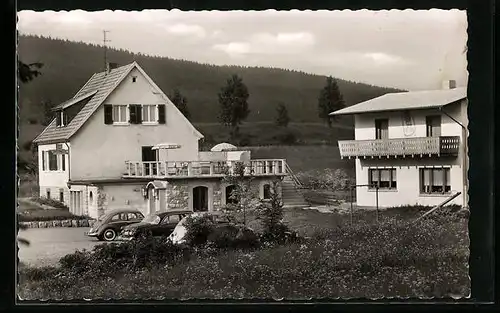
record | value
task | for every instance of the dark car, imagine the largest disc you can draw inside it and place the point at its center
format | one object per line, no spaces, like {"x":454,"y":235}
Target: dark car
{"x":158,"y":224}
{"x":109,"y":225}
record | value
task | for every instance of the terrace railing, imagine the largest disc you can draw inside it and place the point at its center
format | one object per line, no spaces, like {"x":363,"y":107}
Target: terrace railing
{"x":413,"y":147}
{"x":193,"y":169}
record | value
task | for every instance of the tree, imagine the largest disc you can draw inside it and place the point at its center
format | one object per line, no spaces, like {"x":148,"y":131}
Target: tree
{"x":233,"y":104}
{"x":181,"y":103}
{"x":282,"y":118}
{"x":330,"y":99}
{"x":48,"y":114}
{"x":27,"y":72}
{"x":243,"y":194}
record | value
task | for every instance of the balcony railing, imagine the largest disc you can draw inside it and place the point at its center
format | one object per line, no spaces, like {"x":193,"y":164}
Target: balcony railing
{"x":194,"y":169}
{"x":420,"y":146}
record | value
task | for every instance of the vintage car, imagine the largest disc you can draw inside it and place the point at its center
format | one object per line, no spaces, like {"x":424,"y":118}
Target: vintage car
{"x":109,"y":225}
{"x":157,"y":224}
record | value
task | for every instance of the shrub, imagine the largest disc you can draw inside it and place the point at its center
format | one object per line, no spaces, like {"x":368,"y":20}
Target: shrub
{"x":232,"y":236}
{"x":198,"y":228}
{"x":330,"y":179}
{"x":78,"y":262}
{"x":38,"y":273}
{"x":50,"y":202}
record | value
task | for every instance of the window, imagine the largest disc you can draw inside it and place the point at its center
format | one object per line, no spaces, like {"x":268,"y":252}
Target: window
{"x":60,"y":119}
{"x":133,"y":216}
{"x":134,"y":79}
{"x":119,"y":217}
{"x":267,"y":191}
{"x":231,"y":195}
{"x":48,"y":193}
{"x":52,"y":160}
{"x":382,"y":129}
{"x":173,"y":219}
{"x":149,"y":114}
{"x":435,"y":180}
{"x":91,"y":197}
{"x":433,"y":126}
{"x":383,"y":178}
{"x":61,"y":195}
{"x":119,"y":114}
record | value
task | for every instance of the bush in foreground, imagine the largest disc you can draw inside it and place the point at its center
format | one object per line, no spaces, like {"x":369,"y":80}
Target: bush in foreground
{"x":50,"y":202}
{"x":392,"y":258}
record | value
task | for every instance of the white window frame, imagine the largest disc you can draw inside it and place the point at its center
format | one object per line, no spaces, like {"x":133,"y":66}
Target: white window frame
{"x":121,"y":107}
{"x":149,"y":122}
{"x":391,"y":178}
{"x":445,"y":183}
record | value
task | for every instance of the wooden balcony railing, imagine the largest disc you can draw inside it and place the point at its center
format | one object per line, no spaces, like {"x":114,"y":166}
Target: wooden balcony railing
{"x":413,"y":147}
{"x":193,"y":169}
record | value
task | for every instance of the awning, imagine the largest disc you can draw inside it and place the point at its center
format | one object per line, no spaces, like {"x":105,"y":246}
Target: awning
{"x":166,"y":145}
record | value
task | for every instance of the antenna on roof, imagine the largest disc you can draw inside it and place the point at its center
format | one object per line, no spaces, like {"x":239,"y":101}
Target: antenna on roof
{"x":105,"y":50}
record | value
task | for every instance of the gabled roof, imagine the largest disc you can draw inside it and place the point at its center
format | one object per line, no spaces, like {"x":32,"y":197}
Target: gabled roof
{"x":99,"y":87}
{"x":413,"y":100}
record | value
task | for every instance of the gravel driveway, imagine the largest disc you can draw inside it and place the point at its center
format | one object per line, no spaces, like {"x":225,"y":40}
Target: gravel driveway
{"x":48,"y":245}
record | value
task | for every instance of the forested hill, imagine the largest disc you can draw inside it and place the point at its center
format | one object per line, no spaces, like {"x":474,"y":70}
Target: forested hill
{"x":68,"y":65}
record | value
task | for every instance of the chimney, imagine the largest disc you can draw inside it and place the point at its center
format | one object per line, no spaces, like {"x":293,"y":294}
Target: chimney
{"x":449,"y":84}
{"x":111,"y":66}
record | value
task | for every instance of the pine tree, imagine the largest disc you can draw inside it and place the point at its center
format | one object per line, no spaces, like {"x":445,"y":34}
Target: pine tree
{"x":282,"y":118}
{"x":181,"y":103}
{"x":330,"y":100}
{"x":48,"y":114}
{"x":233,"y":104}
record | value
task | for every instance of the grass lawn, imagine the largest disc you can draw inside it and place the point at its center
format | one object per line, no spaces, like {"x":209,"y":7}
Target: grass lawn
{"x":32,"y":211}
{"x":391,"y":258}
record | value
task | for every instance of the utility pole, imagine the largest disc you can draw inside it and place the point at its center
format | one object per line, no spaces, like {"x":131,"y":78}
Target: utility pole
{"x":105,"y":49}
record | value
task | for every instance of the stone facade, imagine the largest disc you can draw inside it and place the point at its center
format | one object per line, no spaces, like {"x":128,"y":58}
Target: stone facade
{"x":217,"y":197}
{"x":177,"y":196}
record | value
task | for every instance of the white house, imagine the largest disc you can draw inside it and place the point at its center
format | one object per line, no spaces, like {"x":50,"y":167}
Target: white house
{"x":411,"y":147}
{"x":120,"y":142}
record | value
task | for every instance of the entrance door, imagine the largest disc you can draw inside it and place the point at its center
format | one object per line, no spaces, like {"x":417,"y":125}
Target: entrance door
{"x":200,"y":199}
{"x":149,"y":155}
{"x":151,"y":200}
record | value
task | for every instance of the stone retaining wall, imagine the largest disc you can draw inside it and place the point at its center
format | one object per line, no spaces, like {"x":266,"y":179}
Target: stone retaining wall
{"x":59,"y":223}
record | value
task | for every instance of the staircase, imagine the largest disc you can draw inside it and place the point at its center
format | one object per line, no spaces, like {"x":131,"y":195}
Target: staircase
{"x":292,"y":191}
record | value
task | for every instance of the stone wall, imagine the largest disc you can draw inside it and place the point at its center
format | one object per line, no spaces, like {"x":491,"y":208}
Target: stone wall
{"x":177,"y":196}
{"x":217,"y":197}
{"x":59,"y":223}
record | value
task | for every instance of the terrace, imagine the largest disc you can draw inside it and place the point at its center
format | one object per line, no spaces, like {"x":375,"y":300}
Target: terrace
{"x":198,"y":169}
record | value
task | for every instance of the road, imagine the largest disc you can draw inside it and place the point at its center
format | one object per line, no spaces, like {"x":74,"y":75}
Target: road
{"x":48,"y":245}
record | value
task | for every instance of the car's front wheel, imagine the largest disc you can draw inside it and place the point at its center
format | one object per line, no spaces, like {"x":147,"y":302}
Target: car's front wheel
{"x":109,"y":234}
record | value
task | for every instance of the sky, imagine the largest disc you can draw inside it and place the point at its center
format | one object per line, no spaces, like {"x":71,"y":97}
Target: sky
{"x":412,"y":50}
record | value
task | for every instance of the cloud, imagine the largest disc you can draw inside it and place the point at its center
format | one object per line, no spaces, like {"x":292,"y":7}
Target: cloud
{"x":186,"y":30}
{"x":234,"y":49}
{"x":267,"y":43}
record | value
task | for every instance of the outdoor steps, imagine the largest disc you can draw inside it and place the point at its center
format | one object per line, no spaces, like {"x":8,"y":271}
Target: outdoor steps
{"x":292,"y":196}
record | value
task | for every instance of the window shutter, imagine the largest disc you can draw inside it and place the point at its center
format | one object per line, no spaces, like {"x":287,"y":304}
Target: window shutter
{"x":43,"y":160}
{"x":108,"y":114}
{"x":135,"y":114}
{"x":161,"y":114}
{"x":58,"y":118}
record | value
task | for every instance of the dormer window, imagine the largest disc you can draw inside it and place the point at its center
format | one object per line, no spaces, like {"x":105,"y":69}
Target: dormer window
{"x":60,"y":119}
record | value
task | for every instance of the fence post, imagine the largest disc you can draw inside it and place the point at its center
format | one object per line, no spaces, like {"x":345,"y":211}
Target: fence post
{"x":350,"y":212}
{"x":376,"y":192}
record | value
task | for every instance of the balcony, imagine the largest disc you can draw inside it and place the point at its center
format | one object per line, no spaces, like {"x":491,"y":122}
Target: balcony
{"x":201,"y":169}
{"x":400,"y":147}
